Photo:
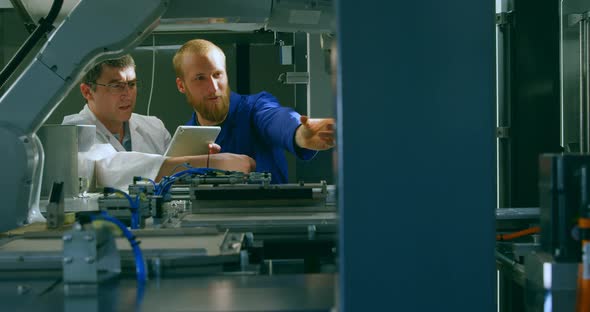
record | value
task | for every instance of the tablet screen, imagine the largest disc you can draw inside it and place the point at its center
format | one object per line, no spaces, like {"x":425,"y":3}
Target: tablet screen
{"x":192,"y":140}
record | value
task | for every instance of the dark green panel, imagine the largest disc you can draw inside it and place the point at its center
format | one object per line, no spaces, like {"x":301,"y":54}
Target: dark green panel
{"x":535,"y":112}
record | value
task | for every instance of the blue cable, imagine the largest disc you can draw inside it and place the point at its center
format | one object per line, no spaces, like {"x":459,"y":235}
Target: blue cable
{"x":138,"y":255}
{"x":134,"y":203}
{"x":151,"y":181}
{"x":167,"y":182}
{"x":138,"y":178}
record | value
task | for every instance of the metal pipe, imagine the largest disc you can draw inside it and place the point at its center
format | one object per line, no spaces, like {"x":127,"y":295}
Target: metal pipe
{"x":583,"y":93}
{"x":504,"y":110}
{"x":585,"y":86}
{"x":502,"y":259}
{"x":584,"y":40}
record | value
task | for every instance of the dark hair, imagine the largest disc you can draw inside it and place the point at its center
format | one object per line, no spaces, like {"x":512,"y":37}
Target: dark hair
{"x":94,"y":73}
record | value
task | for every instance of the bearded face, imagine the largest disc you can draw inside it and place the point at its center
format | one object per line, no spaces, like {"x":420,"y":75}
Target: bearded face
{"x":212,"y":108}
{"x":205,"y":85}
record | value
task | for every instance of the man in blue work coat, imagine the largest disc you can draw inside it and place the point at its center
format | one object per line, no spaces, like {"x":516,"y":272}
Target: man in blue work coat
{"x":254,"y":125}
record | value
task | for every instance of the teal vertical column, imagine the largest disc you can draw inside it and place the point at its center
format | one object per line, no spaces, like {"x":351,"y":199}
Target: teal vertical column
{"x":416,"y":155}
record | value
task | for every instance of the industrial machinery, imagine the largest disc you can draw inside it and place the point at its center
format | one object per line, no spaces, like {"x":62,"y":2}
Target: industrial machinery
{"x":546,"y":271}
{"x":540,"y":250}
{"x":179,"y":228}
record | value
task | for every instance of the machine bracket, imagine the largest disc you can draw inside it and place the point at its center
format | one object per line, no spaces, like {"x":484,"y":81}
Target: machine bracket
{"x":504,"y":18}
{"x":503,"y":132}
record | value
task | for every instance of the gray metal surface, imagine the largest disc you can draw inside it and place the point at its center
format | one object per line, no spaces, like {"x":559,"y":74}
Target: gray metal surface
{"x":227,"y":11}
{"x":75,"y":204}
{"x":251,"y":207}
{"x":516,"y":219}
{"x":62,"y":164}
{"x":87,"y":251}
{"x":550,"y":286}
{"x":239,"y":198}
{"x":260,"y":220}
{"x":312,"y":292}
{"x":517,"y":213}
{"x":297,"y":15}
{"x":180,"y":12}
{"x":231,"y":15}
{"x":20,"y":185}
{"x":189,"y":247}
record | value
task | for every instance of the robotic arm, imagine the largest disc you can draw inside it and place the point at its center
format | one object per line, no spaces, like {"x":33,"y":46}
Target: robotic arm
{"x":94,"y":30}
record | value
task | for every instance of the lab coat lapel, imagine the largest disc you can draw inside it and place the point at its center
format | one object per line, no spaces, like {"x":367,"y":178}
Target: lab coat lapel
{"x":104,"y":135}
{"x":136,"y":139}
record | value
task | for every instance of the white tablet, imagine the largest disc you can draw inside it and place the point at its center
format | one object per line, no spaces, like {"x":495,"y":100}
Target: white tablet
{"x":192,"y":140}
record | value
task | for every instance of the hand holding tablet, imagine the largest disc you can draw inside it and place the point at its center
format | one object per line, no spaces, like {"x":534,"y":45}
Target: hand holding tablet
{"x":192,"y":140}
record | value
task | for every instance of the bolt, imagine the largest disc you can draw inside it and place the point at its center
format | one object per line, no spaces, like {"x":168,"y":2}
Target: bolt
{"x":23,"y":289}
{"x":311,"y":231}
{"x":67,"y":237}
{"x":89,"y":259}
{"x":68,"y":260}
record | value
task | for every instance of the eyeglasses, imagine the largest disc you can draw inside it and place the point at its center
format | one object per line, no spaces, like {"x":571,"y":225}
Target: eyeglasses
{"x":118,"y":87}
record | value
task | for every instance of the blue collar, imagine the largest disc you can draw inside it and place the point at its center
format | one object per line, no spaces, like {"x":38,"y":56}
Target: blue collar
{"x":127,"y":138}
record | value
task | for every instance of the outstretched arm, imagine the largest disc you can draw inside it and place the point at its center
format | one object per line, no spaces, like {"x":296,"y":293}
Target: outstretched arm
{"x":315,"y":133}
{"x":223,"y":161}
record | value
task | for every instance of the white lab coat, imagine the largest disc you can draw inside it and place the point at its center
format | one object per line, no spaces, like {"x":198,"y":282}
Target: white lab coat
{"x":116,"y":167}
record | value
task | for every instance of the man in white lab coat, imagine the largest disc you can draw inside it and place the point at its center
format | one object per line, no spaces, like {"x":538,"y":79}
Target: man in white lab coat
{"x":129,"y":144}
